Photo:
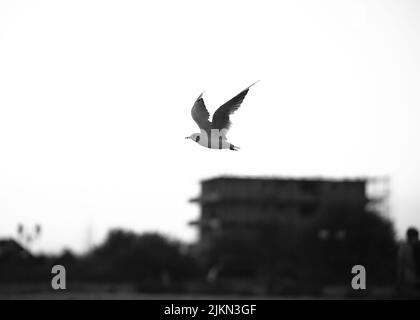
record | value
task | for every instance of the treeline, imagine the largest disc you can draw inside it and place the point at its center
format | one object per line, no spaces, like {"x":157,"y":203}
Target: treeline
{"x":148,"y":260}
{"x":271,"y":258}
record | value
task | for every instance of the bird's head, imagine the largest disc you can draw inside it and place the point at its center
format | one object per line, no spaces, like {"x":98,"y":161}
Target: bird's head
{"x":195,"y":137}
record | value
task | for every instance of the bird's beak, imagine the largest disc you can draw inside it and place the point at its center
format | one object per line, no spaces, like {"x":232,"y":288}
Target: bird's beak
{"x":187,"y":137}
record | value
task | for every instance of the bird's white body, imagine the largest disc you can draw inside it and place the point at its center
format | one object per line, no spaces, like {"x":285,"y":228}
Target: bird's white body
{"x":213,"y":141}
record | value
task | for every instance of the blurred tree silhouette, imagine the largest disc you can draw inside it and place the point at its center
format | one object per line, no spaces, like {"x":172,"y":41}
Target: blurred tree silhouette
{"x":150,"y":261}
{"x":126,"y":256}
{"x":344,"y":236}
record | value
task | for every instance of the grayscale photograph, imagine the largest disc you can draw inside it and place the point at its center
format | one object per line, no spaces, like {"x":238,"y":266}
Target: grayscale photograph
{"x":231,"y":150}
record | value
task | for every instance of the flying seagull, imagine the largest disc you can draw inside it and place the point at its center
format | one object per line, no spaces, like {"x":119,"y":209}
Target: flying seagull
{"x":213,"y":134}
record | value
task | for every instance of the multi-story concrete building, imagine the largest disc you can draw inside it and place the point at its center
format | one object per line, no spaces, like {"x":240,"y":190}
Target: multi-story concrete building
{"x":282,"y":229}
{"x":236,"y":202}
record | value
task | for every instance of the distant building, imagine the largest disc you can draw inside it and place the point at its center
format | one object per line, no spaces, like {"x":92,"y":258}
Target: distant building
{"x":235,"y":202}
{"x":265,"y":228}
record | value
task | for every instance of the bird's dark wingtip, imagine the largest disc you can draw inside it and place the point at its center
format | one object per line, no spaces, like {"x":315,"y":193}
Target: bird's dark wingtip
{"x":254,"y":83}
{"x":200,"y":96}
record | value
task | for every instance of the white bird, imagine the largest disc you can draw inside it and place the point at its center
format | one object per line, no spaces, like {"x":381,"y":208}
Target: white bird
{"x":213,"y":134}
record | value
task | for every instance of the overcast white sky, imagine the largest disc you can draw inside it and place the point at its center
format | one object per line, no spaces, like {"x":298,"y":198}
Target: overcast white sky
{"x":95,"y":100}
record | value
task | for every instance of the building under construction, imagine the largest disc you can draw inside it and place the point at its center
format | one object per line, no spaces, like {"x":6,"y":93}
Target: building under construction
{"x":276,"y":207}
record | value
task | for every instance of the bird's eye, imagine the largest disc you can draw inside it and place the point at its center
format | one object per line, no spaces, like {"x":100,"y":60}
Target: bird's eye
{"x":197,"y":138}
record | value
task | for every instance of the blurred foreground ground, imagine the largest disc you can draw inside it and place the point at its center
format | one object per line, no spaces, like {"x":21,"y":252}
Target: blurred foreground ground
{"x":127,"y":292}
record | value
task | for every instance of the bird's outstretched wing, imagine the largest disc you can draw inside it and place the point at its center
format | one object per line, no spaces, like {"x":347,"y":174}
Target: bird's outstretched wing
{"x":200,"y":114}
{"x":221,"y":116}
